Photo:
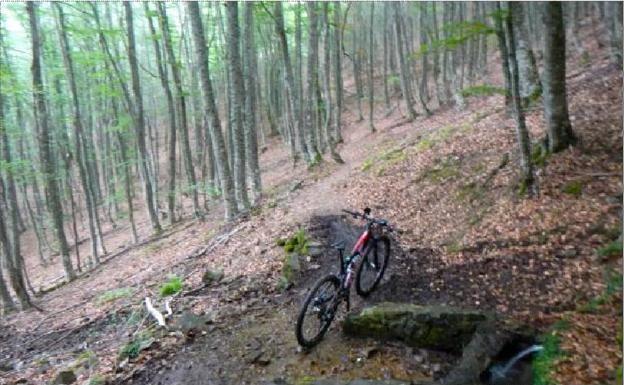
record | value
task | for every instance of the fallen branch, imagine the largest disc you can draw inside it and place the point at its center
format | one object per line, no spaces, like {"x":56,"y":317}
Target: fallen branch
{"x":152,"y":310}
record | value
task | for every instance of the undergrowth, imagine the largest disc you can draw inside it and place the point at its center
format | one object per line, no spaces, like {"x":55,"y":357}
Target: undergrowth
{"x":172,"y":286}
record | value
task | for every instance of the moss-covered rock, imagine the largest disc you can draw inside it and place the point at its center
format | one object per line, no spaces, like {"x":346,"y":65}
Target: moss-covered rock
{"x":430,"y":327}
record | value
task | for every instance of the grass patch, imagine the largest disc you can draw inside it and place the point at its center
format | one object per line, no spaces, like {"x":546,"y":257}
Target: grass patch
{"x":442,"y":171}
{"x":613,"y":249}
{"x":545,"y":361}
{"x":297,"y":243}
{"x":613,"y":280}
{"x":113,"y":295}
{"x":482,"y":90}
{"x":140,"y":342}
{"x":454,"y":247}
{"x":386,"y":159}
{"x":172,"y":286}
{"x":470,"y":192}
{"x":539,"y":155}
{"x":96,"y":379}
{"x":424,"y":144}
{"x":574,"y":188}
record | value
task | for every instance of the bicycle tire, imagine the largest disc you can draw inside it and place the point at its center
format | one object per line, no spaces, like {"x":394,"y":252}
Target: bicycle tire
{"x":301,"y":339}
{"x":362,"y":291}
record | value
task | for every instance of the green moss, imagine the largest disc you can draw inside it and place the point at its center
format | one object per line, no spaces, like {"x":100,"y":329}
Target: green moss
{"x":96,"y":379}
{"x":523,"y":188}
{"x":172,"y":286}
{"x":574,"y":188}
{"x":281,"y":242}
{"x":470,"y":192}
{"x":424,"y":144}
{"x":539,"y":156}
{"x":368,"y":163}
{"x":482,"y":90}
{"x":545,"y":361}
{"x":442,"y":171}
{"x":138,"y":343}
{"x":613,"y":249}
{"x":113,"y":295}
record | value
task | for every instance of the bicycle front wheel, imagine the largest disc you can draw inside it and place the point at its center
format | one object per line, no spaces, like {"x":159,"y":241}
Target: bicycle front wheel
{"x":318,"y":311}
{"x":373,"y":266}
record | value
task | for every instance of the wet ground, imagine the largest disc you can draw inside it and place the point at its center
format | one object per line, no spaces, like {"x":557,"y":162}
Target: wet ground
{"x":260,"y":346}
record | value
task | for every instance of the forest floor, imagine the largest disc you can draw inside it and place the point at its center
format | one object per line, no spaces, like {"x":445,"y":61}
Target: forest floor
{"x":466,"y":237}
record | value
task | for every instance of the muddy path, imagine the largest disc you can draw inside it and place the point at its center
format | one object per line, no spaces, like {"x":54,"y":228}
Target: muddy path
{"x":260,"y":346}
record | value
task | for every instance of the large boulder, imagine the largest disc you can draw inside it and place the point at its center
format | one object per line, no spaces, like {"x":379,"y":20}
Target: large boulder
{"x":429,"y":327}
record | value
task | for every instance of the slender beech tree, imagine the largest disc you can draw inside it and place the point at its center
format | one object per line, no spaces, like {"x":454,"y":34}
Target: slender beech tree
{"x":371,"y":64}
{"x":139,"y":120}
{"x":164,"y":82}
{"x":238,"y":103}
{"x":218,"y":142}
{"x":403,"y":67}
{"x":338,"y":71}
{"x":45,"y":153}
{"x":524,"y":142}
{"x":312,"y":83}
{"x":79,"y":136}
{"x":251,"y":121}
{"x":181,"y":102}
{"x":498,"y":16}
{"x":559,"y":129}
{"x":530,"y":85}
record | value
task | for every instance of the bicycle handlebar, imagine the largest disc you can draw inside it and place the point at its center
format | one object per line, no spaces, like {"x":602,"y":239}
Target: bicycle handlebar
{"x":381,"y":222}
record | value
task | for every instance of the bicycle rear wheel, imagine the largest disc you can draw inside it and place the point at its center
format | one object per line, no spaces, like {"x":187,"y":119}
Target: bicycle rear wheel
{"x":373,"y":265}
{"x":318,"y":311}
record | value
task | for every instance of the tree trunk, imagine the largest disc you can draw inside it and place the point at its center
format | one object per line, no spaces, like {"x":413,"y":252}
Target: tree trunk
{"x":502,"y":45}
{"x":164,"y":81}
{"x":530,"y":86}
{"x":371,"y":87}
{"x":218,"y":143}
{"x":181,"y":102}
{"x":338,"y":71}
{"x":559,"y":129}
{"x":615,"y":32}
{"x":251,"y":119}
{"x":238,"y":101}
{"x":291,"y":88}
{"x":403,"y":66}
{"x":524,"y":142}
{"x":79,"y":136}
{"x":139,"y":122}
{"x":312,"y":84}
{"x":47,"y":161}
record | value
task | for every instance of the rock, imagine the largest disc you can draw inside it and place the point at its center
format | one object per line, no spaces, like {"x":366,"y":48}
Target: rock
{"x":330,"y":381}
{"x":315,"y":249}
{"x":430,"y":327}
{"x":212,"y":276}
{"x":567,"y":253}
{"x":189,"y":322}
{"x":293,"y":263}
{"x":65,"y":377}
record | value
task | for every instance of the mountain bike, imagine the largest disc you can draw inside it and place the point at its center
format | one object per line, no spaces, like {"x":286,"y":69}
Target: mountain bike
{"x":320,"y":306}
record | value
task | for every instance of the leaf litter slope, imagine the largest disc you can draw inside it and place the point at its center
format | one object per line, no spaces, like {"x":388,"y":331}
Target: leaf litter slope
{"x":469,"y":240}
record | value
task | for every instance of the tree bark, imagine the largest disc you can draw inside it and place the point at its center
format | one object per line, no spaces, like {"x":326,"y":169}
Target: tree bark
{"x":251,"y":118}
{"x":216,"y":135}
{"x":524,"y":142}
{"x":139,"y":122}
{"x":238,"y":101}
{"x":338,"y":72}
{"x":181,"y":102}
{"x":530,"y":85}
{"x":403,"y":67}
{"x":79,"y":136}
{"x":371,"y":87}
{"x":312,"y":84}
{"x":502,"y":45}
{"x":559,"y":129}
{"x":47,"y":161}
